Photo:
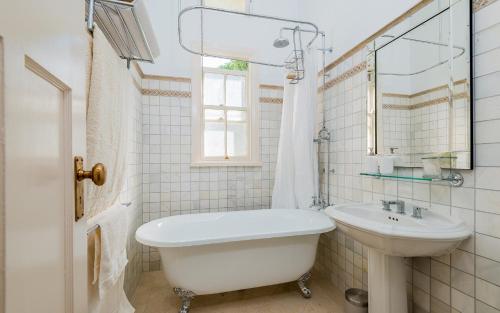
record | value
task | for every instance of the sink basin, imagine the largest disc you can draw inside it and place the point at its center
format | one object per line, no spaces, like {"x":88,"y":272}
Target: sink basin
{"x":399,"y":235}
{"x":390,"y":237}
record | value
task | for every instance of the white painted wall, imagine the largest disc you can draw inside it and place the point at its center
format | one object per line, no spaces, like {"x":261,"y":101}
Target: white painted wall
{"x":222,"y":32}
{"x":347,"y":23}
{"x":403,"y":56}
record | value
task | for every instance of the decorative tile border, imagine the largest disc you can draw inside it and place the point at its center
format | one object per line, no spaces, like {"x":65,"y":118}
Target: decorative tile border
{"x":271,"y":100}
{"x":187,"y":94}
{"x":346,"y":75}
{"x":166,"y":93}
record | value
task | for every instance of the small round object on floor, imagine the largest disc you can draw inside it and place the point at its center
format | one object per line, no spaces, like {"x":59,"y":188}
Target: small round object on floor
{"x":356,"y":301}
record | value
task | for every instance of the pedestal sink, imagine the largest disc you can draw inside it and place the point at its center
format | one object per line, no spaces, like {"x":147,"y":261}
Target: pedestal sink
{"x":390,"y":237}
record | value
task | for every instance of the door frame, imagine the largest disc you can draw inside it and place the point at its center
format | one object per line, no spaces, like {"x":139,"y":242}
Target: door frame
{"x":2,"y":184}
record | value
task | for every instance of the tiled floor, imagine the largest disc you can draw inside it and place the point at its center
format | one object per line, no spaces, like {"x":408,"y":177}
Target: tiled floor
{"x":154,"y":295}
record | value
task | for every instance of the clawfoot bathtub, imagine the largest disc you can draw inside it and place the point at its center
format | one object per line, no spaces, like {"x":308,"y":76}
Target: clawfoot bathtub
{"x":211,"y":253}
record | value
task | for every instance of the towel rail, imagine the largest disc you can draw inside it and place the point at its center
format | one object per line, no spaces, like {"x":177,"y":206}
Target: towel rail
{"x":96,"y":226}
{"x":125,"y":33}
{"x":93,"y":229}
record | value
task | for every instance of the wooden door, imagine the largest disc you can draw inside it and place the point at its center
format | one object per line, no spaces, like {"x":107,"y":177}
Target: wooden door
{"x":45,"y":52}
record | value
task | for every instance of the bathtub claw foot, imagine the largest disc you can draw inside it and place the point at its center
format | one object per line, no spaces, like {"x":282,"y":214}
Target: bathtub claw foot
{"x":186,"y":297}
{"x":306,"y":292}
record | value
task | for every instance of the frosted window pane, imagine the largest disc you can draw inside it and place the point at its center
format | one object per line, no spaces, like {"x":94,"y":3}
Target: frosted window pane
{"x":214,"y":115}
{"x":213,"y":89}
{"x":236,"y":139}
{"x":235,"y":5}
{"x":235,"y":91}
{"x":236,"y":116}
{"x":214,"y":139}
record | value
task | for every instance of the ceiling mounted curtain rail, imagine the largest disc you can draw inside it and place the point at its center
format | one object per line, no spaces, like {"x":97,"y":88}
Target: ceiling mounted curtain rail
{"x":295,"y":55}
{"x":126,"y":26}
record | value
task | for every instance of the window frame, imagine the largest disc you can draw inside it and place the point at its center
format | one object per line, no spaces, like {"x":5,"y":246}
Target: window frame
{"x":198,"y":122}
{"x":247,"y":6}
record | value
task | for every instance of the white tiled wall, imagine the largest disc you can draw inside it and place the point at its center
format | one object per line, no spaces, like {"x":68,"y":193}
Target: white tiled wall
{"x":171,"y":186}
{"x":468,"y":280}
{"x":397,"y":131}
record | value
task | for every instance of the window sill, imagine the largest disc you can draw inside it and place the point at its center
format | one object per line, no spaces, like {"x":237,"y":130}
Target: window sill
{"x":226,"y":163}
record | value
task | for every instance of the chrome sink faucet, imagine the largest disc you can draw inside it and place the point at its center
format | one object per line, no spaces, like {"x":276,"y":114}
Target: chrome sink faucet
{"x":400,"y":206}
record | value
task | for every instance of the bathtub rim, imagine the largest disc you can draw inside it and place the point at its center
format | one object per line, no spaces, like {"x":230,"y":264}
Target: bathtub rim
{"x":140,"y":237}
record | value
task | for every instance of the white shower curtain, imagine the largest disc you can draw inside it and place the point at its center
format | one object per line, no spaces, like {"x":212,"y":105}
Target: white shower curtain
{"x":296,"y":177}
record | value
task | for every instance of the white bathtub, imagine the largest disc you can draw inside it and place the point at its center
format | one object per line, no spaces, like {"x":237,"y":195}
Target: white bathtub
{"x":218,"y":252}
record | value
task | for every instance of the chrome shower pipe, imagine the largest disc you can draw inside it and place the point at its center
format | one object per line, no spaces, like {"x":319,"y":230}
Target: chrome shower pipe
{"x":324,"y":134}
{"x":323,"y":52}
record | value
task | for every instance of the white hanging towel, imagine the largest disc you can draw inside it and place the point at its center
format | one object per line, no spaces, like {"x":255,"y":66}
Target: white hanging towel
{"x":296,"y":168}
{"x":110,"y":95}
{"x":111,"y":253}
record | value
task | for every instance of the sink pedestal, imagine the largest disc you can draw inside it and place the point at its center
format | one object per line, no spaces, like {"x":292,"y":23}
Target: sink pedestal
{"x":386,"y":283}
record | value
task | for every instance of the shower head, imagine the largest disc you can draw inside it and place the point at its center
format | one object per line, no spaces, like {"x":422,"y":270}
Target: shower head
{"x":281,"y":41}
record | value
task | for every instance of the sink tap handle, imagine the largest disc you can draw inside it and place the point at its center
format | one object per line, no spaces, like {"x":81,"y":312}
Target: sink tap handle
{"x":417,"y":212}
{"x":386,"y":204}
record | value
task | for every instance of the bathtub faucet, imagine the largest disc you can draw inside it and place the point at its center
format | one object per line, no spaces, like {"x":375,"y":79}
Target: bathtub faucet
{"x":319,"y":202}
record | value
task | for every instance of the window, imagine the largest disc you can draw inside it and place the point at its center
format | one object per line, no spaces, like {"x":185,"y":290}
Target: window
{"x":226,"y":133}
{"x":234,"y":5}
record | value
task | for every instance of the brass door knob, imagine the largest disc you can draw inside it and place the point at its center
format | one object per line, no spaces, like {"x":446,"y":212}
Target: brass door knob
{"x":97,"y":174}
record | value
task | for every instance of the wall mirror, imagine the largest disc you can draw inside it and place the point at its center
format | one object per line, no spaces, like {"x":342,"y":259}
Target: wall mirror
{"x":420,"y":88}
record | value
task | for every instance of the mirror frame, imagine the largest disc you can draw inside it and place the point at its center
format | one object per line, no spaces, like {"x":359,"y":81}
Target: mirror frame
{"x":371,"y":61}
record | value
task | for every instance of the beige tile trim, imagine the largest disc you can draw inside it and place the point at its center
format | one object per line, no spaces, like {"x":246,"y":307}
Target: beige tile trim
{"x":167,"y":78}
{"x":396,"y":95}
{"x":271,"y":100}
{"x":481,"y":4}
{"x":271,"y":87}
{"x":462,"y":95}
{"x":159,"y":77}
{"x":346,"y":75}
{"x":166,"y":93}
{"x":423,"y":92}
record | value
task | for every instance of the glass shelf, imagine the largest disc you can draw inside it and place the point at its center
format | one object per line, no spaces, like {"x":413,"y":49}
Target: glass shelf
{"x":400,"y":177}
{"x":455,"y":179}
